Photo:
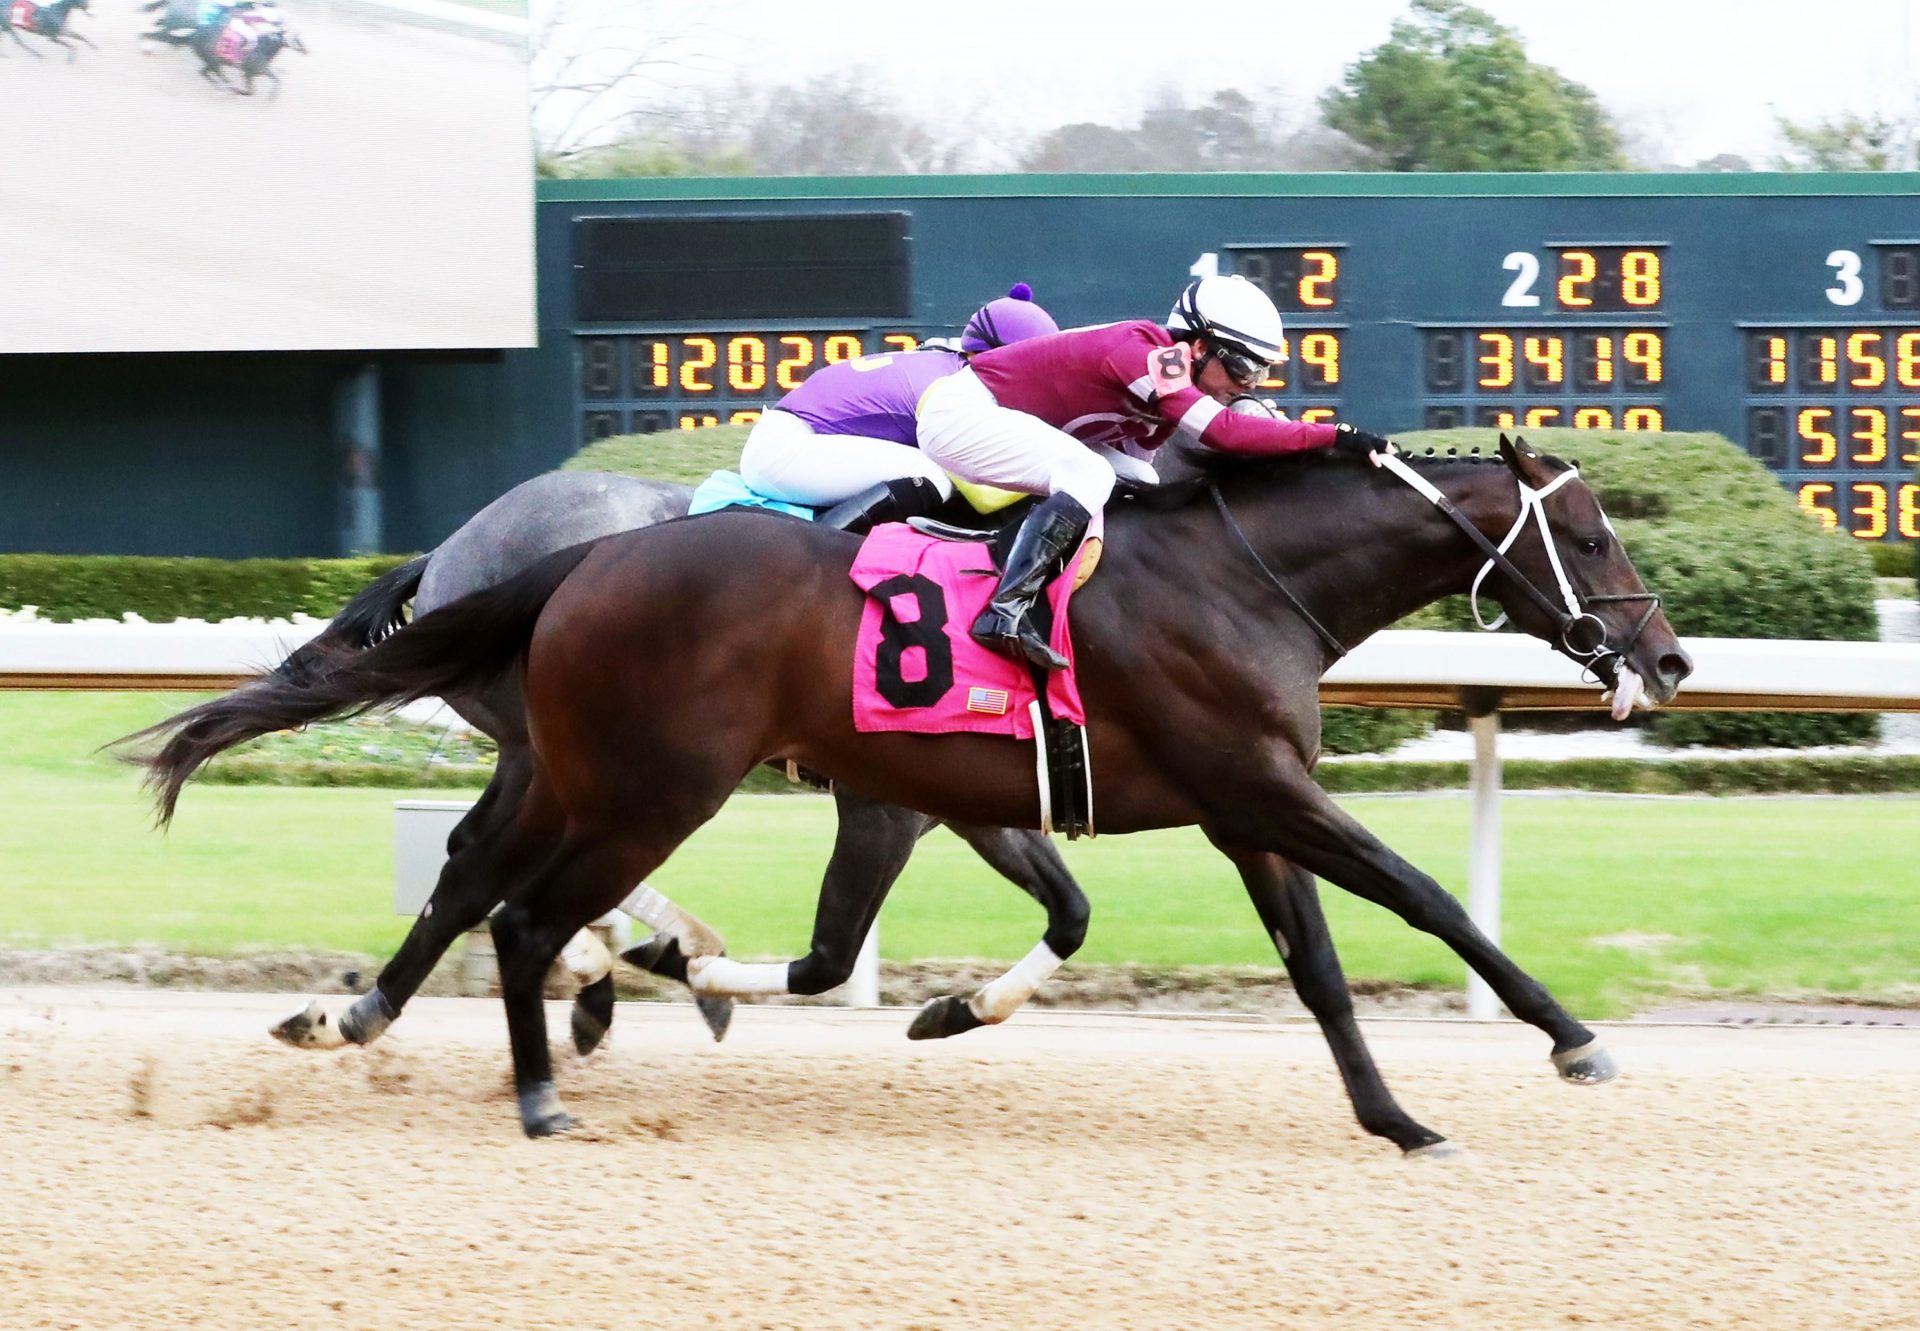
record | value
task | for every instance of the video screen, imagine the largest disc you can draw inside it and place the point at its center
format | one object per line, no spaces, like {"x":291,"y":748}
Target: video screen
{"x":264,"y":175}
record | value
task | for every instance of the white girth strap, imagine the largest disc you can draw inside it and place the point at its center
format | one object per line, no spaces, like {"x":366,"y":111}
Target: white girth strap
{"x":1040,"y":767}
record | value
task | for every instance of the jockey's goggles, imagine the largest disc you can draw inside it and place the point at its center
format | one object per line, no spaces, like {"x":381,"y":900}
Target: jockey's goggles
{"x":1245,"y":370}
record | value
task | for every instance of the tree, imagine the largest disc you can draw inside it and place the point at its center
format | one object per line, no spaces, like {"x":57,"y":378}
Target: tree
{"x":840,"y":126}
{"x":1453,"y":90}
{"x":1849,"y":143}
{"x":587,"y":72}
{"x":1228,"y":132}
{"x":1085,"y":146}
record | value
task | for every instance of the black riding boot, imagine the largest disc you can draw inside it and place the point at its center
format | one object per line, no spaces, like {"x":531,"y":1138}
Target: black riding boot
{"x":889,"y":501}
{"x":1049,"y":534}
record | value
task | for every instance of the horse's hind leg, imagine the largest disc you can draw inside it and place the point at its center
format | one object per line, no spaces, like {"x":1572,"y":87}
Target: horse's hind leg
{"x":1029,"y":860}
{"x":1289,"y":906}
{"x":467,"y":889}
{"x":585,"y":877}
{"x":871,"y":847}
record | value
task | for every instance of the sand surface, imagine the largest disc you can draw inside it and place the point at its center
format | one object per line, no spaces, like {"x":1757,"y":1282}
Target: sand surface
{"x":163,"y":1164}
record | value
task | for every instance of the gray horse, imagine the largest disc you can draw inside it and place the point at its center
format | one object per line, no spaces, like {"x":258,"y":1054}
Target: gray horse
{"x":533,"y":520}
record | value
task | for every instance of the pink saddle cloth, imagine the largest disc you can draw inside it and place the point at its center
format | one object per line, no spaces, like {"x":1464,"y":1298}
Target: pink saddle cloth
{"x":915,"y":668}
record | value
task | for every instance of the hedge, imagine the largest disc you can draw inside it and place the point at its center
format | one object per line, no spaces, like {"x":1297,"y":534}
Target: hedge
{"x":1713,"y":533}
{"x":70,"y":587}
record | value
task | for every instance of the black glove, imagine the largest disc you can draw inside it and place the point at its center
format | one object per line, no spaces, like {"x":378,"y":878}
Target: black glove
{"x":1358,"y":443}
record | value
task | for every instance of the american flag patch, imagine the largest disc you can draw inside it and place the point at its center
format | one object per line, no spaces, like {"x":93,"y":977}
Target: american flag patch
{"x":991,"y":701}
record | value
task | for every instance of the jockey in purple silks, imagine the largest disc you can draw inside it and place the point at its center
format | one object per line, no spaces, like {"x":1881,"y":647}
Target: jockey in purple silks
{"x":847,"y":439}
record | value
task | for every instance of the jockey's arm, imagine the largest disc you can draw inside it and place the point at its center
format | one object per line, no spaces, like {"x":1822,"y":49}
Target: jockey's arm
{"x":1214,"y":426}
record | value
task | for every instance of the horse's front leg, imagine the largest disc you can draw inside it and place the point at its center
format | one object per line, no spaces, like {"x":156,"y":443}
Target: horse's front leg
{"x":1030,"y":861}
{"x":21,"y":42}
{"x":1288,"y":903}
{"x":1297,"y":819}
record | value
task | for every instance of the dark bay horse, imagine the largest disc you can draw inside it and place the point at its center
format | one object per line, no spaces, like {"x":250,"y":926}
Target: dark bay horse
{"x":660,"y":666}
{"x":533,"y":520}
{"x":247,"y":42}
{"x":47,"y":20}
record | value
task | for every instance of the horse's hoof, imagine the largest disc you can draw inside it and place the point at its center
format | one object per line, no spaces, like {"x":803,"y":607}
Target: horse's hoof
{"x":659,"y":954}
{"x":717,"y":1012}
{"x":942,"y":1017}
{"x":1440,"y":1150}
{"x":309,"y":1028}
{"x":1589,"y":1065}
{"x":540,"y":1112}
{"x":588,"y":1031}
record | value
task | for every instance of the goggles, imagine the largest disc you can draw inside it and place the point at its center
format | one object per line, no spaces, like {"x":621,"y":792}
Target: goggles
{"x":1247,"y":371}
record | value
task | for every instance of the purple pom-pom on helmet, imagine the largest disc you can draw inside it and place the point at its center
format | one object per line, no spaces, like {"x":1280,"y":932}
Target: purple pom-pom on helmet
{"x":1015,"y":317}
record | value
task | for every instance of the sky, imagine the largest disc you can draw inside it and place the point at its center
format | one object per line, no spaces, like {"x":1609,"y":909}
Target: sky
{"x":1686,"y":79}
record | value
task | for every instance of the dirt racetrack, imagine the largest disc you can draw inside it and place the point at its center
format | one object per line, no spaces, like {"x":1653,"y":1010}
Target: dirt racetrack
{"x":162,"y":1164}
{"x":384,"y":199}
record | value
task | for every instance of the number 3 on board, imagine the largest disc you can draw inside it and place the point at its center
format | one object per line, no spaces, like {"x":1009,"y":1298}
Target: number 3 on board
{"x":1847,"y":287}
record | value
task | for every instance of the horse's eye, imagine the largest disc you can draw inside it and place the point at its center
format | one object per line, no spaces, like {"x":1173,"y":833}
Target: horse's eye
{"x":1591,"y":546}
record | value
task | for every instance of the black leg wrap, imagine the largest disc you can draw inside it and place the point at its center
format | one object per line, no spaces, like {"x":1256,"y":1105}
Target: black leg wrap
{"x":889,"y":501}
{"x":659,"y":954}
{"x":1049,"y":533}
{"x":592,"y":1014}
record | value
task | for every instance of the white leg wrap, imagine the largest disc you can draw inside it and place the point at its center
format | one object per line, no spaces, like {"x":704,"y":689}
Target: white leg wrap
{"x":725,"y":977}
{"x":586,"y":957}
{"x":999,"y":999}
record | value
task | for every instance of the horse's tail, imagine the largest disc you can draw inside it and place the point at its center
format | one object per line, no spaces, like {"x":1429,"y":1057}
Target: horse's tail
{"x":372,"y":615}
{"x":468,"y":642}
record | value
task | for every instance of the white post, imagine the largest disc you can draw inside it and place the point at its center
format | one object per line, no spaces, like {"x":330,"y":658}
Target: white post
{"x":1483,"y":853}
{"x":863,"y":986}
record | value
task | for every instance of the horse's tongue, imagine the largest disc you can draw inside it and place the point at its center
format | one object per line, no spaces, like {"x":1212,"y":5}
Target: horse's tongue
{"x":1626,"y":692}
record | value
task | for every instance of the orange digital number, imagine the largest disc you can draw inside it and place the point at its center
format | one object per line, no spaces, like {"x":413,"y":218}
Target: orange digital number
{"x":1811,"y":495}
{"x":746,"y":364}
{"x":1318,"y":415}
{"x":698,"y":422}
{"x":1644,"y":350}
{"x":747,"y":417}
{"x":1276,"y":377}
{"x":1581,"y":277}
{"x":1909,"y":512}
{"x":1812,"y":423}
{"x":662,"y":369}
{"x":1322,"y":351}
{"x":1827,"y":351}
{"x":1870,"y":366}
{"x":1874,"y":510}
{"x":1776,"y":360}
{"x":1328,"y":268}
{"x":1906,"y":362}
{"x":703,"y":353}
{"x":1640,"y":277}
{"x":1538,"y":417}
{"x":1549,"y":353}
{"x":1498,"y":360}
{"x":1873,"y":433}
{"x":1910,"y":434}
{"x":902,"y":341}
{"x":1503,"y":420}
{"x":842,"y":346}
{"x":786,"y":373}
{"x":1642,"y":418}
{"x":1592,"y":418}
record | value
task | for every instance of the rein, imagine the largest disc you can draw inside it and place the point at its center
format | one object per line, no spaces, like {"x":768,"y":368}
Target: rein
{"x":1334,"y":644}
{"x":1601,"y":658}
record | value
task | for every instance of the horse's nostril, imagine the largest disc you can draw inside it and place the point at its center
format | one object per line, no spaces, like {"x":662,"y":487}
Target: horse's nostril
{"x":1675,"y":666}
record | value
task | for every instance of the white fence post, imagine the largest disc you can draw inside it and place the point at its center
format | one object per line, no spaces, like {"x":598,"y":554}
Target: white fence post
{"x":1483,"y":853}
{"x":863,"y":986}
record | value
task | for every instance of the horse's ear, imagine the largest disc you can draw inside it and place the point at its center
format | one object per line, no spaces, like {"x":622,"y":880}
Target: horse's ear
{"x":1520,"y":458}
{"x":1507,"y":455}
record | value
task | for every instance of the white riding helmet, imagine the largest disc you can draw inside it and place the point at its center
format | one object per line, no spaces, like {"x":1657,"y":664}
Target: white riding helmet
{"x":1237,"y":322}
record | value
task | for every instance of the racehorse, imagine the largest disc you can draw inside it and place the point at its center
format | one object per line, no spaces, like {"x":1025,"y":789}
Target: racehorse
{"x":661,"y":665}
{"x":247,"y":41}
{"x":44,"y":20}
{"x":533,"y":520}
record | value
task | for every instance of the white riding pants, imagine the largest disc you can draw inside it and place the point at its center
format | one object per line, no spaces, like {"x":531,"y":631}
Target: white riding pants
{"x":965,"y":431}
{"x":785,"y":459}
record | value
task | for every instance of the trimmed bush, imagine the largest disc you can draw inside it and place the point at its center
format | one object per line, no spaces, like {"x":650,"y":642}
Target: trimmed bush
{"x":1895,"y":559}
{"x":1852,"y":774}
{"x":70,"y":587}
{"x":1715,"y":534}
